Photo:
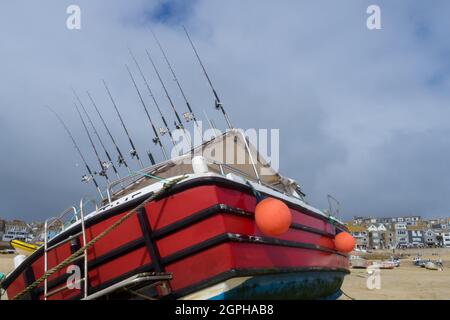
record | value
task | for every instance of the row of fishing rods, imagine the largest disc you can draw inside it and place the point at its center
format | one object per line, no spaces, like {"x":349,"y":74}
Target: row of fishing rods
{"x":157,"y":134}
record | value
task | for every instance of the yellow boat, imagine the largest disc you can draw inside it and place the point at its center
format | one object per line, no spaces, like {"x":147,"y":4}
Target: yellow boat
{"x":23,"y":247}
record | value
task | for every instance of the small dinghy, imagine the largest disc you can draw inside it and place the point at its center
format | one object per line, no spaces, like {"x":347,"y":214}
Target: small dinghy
{"x":386,"y":264}
{"x":431,"y":266}
{"x":23,"y":247}
{"x":356,"y":262}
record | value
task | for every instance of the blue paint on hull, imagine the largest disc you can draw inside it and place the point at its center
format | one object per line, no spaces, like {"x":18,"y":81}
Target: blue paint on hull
{"x":288,"y":286}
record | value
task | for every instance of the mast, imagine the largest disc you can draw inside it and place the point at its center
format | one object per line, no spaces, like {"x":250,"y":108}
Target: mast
{"x":120,"y":160}
{"x":97,"y":135}
{"x":175,"y":78}
{"x":133,"y":151}
{"x":90,"y":175}
{"x":103,"y":165}
{"x":167,"y":129}
{"x":156,"y":139}
{"x":218,"y":103}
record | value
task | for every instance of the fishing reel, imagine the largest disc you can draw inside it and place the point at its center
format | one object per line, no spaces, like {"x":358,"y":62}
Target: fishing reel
{"x":187,"y":116}
{"x":120,"y":161}
{"x":106,"y":165}
{"x":86,"y":178}
{"x":102,"y":173}
{"x":178,"y":125}
{"x":155,"y":140}
{"x":162,"y":131}
{"x":217,"y":104}
{"x":133,"y":153}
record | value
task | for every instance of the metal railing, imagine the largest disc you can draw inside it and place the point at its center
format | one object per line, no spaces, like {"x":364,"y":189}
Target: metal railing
{"x":60,"y":219}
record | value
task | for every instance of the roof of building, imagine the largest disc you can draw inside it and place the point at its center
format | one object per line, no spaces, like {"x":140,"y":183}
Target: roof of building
{"x":356,"y":228}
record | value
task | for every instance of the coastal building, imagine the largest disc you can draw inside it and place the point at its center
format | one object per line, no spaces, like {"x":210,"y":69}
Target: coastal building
{"x":446,"y":239}
{"x":381,"y":236}
{"x":401,"y":234}
{"x":2,"y":228}
{"x":415,"y":236}
{"x":360,"y":235}
{"x":389,"y":237}
{"x":16,"y":229}
{"x":429,"y":238}
{"x":409,"y":220}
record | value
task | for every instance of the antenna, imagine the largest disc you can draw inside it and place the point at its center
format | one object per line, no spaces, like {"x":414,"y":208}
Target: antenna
{"x":133,"y":151}
{"x":90,"y":175}
{"x":110,"y":162}
{"x":162,"y":130}
{"x":191,"y":113}
{"x":218,"y":103}
{"x":121,"y":159}
{"x":103,"y":165}
{"x":156,"y":139}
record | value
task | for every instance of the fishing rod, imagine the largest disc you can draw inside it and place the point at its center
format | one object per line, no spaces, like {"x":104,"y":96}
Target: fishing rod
{"x":180,"y":124}
{"x":133,"y":151}
{"x":103,"y":164}
{"x":87,"y":177}
{"x":161,"y":130}
{"x":156,"y":139}
{"x":120,"y":160}
{"x":191,"y":113}
{"x":110,"y":162}
{"x":211,"y":124}
{"x":218,"y":103}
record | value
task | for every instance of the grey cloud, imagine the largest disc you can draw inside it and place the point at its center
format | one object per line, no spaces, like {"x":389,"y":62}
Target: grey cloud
{"x":363,"y":114}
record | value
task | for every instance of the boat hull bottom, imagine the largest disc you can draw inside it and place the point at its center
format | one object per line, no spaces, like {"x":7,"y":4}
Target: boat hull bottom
{"x":288,"y":286}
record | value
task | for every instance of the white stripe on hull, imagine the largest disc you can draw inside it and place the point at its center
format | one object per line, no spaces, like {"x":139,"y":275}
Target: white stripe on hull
{"x":216,"y":289}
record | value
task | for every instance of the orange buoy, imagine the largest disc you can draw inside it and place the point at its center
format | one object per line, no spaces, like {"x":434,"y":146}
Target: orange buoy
{"x":344,"y":242}
{"x":273,"y":216}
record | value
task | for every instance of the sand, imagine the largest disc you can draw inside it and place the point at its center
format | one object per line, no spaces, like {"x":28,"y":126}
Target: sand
{"x":405,"y":282}
{"x":6,"y":265}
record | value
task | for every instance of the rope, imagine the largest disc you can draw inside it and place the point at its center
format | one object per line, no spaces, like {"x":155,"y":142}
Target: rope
{"x":79,"y":252}
{"x":351,"y":298}
{"x":148,"y":175}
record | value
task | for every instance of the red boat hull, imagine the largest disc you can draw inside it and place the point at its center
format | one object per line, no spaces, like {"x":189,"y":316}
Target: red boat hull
{"x":203,"y":232}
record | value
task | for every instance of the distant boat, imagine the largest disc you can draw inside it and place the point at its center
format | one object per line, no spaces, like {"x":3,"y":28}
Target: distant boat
{"x":395,"y":261}
{"x":23,"y":247}
{"x":431,"y":266}
{"x":356,"y":262}
{"x":386,"y":264}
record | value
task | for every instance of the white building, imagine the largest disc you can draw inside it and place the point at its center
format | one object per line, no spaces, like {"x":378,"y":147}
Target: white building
{"x":16,"y":230}
{"x":401,"y":234}
{"x":446,"y":239}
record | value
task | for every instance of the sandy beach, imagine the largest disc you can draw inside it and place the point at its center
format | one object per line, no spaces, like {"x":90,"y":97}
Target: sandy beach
{"x":6,"y":265}
{"x":405,"y":282}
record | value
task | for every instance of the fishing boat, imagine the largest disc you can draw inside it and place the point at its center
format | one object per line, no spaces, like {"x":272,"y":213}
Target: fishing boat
{"x":188,"y":227}
{"x":201,"y":231}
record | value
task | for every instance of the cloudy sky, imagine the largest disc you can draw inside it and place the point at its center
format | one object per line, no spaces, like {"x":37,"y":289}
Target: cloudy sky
{"x":363,"y":114}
